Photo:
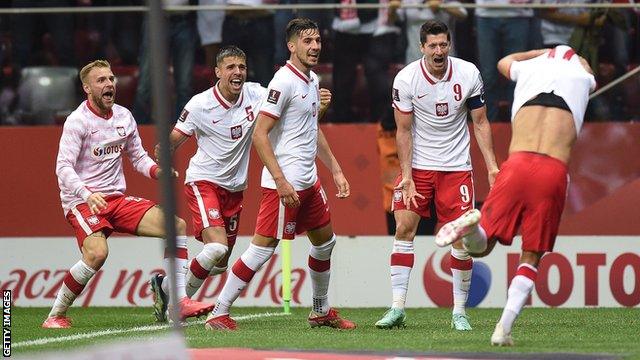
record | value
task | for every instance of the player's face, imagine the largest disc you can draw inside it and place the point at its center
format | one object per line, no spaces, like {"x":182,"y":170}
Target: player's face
{"x":306,"y":47}
{"x":436,"y":51}
{"x":232,"y":73}
{"x":101,"y":88}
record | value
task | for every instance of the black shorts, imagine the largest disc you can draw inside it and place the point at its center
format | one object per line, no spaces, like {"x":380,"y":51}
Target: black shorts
{"x":548,"y":100}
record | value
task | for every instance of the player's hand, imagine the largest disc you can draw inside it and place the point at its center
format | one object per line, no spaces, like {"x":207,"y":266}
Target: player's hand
{"x":492,"y":176}
{"x":409,"y":193}
{"x":288,"y":195}
{"x":96,"y":202}
{"x":325,"y":99}
{"x":342,"y":184}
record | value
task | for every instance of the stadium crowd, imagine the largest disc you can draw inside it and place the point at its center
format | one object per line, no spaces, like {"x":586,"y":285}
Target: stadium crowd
{"x":363,"y":50}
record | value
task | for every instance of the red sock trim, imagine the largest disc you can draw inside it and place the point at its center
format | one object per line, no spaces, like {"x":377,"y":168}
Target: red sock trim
{"x":461,"y":264}
{"x":527,"y":271}
{"x":241,"y":270}
{"x":197,"y":270}
{"x":399,"y":259}
{"x":181,"y":253}
{"x":73,"y":284}
{"x":319,"y":265}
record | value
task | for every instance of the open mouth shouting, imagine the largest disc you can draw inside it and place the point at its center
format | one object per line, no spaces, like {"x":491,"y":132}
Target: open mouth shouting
{"x":236,"y":84}
{"x":313,"y":57}
{"x":438,"y":61}
{"x":108,"y":96}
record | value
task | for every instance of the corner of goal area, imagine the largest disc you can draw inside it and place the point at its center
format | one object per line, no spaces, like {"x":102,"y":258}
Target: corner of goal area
{"x":171,"y":346}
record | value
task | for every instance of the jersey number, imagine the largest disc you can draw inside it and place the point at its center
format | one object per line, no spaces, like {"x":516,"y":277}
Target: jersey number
{"x":464,"y":193}
{"x":457,"y":90}
{"x":233,"y":223}
{"x":249,"y":112}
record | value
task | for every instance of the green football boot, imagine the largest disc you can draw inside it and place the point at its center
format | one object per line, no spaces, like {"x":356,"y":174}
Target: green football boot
{"x":460,"y":322}
{"x":392,"y":318}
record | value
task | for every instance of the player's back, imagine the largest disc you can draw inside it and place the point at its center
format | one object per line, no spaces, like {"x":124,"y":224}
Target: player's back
{"x":551,"y":96}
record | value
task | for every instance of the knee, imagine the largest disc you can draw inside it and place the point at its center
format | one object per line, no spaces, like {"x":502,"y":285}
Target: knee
{"x":95,"y":256}
{"x":181,"y":226}
{"x":405,"y":231}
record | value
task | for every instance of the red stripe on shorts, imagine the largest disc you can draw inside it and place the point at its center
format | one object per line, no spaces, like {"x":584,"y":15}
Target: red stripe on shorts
{"x":241,"y":270}
{"x":198,"y":270}
{"x":319,"y":265}
{"x":73,"y":284}
{"x":527,"y":272}
{"x":399,"y":259}
{"x":461,"y":264}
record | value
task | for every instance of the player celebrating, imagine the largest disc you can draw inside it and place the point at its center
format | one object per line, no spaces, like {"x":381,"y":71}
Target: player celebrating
{"x":288,"y":138}
{"x":92,"y":189}
{"x":222,"y":118}
{"x":431,"y":97}
{"x":550,"y":99}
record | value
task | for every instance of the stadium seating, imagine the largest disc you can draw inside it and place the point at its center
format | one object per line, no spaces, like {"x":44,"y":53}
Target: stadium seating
{"x":47,"y":95}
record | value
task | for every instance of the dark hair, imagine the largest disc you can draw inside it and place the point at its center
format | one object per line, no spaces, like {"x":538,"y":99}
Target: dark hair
{"x":298,"y":25}
{"x":433,"y":27}
{"x":229,"y":51}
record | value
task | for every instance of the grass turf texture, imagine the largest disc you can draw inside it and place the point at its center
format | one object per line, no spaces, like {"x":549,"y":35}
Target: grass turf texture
{"x":604,"y":331}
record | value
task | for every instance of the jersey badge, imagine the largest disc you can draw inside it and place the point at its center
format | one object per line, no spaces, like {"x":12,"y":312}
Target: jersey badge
{"x":274,"y":96}
{"x":236,"y":132}
{"x":183,"y":115}
{"x":121,"y":131}
{"x":213,"y":213}
{"x":396,"y":94}
{"x":442,"y":109}
{"x":290,"y":228}
{"x":93,"y":220}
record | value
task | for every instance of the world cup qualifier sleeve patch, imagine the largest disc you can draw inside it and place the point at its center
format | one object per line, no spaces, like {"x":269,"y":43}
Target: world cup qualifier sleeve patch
{"x":396,"y":94}
{"x":274,"y":96}
{"x":183,"y":115}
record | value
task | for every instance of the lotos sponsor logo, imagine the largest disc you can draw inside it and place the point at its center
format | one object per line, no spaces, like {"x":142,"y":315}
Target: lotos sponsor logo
{"x":107,"y":151}
{"x":438,"y":282}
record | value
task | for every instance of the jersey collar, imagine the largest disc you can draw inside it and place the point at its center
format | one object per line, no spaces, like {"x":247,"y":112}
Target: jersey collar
{"x":96,"y":113}
{"x":432,"y":79}
{"x":222,"y":101}
{"x":298,"y":73}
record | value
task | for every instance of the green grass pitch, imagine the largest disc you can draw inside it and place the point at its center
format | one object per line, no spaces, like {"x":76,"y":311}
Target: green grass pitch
{"x":538,"y":330}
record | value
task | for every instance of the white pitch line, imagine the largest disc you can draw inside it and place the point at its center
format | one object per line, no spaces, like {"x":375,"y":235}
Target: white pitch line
{"x":50,"y":340}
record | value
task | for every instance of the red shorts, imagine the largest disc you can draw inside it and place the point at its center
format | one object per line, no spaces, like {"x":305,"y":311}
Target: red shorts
{"x":529,"y":192}
{"x":282,"y":222}
{"x":452,"y":192}
{"x":123,"y":214}
{"x":212,"y":205}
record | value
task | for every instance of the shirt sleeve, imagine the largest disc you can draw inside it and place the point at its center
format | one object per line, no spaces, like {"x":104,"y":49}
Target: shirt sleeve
{"x":137,"y":154}
{"x":478,"y":84}
{"x":73,"y":134}
{"x":277,"y":98}
{"x":401,"y":96}
{"x":514,"y":70}
{"x":188,"y":120}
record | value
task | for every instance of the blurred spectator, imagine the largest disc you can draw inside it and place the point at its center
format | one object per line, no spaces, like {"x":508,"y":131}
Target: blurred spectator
{"x":559,"y":24}
{"x":253,"y":31}
{"x":118,"y":33}
{"x":500,"y":32}
{"x":415,"y":17}
{"x":27,"y":29}
{"x":210,"y":29}
{"x":181,"y":38}
{"x":366,"y":36}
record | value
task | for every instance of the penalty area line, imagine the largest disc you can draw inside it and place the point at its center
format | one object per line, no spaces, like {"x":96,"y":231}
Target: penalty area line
{"x":106,"y":332}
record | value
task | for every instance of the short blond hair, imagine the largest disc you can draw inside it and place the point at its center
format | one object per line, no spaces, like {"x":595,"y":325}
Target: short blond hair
{"x":94,"y":64}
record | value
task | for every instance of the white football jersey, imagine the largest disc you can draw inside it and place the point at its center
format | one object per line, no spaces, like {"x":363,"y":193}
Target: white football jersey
{"x":90,"y":154}
{"x":293,"y":99}
{"x":558,"y":70}
{"x":223,"y":131}
{"x":440,"y":132}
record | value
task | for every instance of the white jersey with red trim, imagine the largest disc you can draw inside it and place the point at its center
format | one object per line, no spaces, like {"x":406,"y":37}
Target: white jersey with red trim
{"x":440,"y":132}
{"x":223,"y":131}
{"x":558,"y":70}
{"x":294,"y":100}
{"x":90,"y":154}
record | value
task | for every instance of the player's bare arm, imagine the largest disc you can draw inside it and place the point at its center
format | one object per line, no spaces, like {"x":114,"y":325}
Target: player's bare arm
{"x":176,"y":138}
{"x":260,"y":138}
{"x":404,"y":142}
{"x":326,"y":156}
{"x":325,"y":101}
{"x":482,"y":131}
{"x":504,"y":65}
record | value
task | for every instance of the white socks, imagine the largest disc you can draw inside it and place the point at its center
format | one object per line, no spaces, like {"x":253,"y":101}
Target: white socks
{"x":519,"y":291}
{"x":319,"y":271}
{"x":241,"y":273}
{"x":461,"y":265}
{"x":181,"y":268}
{"x":402,"y":258}
{"x":203,"y":265}
{"x":72,"y":285}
